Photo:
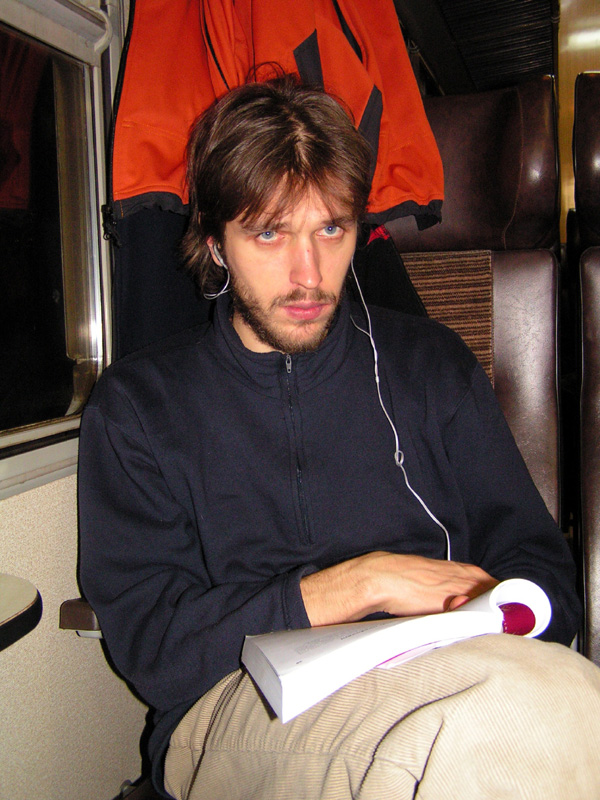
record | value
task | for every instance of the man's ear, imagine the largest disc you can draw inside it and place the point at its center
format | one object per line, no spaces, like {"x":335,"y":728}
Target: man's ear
{"x":215,"y":252}
{"x":210,"y":241}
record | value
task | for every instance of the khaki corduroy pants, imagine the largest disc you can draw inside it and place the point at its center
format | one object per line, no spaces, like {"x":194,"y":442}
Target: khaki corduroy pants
{"x":491,"y":718}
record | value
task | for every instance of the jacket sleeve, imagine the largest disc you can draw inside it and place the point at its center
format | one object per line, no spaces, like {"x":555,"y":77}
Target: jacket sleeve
{"x":511,"y":532}
{"x":170,"y":632}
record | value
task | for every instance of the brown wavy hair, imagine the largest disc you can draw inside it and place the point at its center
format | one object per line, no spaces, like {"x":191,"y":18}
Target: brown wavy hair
{"x":263,"y":143}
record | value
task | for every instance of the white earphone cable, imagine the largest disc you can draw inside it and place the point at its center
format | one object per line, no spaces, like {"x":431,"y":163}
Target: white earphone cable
{"x":398,"y":454}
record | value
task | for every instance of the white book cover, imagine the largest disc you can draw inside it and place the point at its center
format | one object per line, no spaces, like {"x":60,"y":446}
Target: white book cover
{"x":296,"y":669}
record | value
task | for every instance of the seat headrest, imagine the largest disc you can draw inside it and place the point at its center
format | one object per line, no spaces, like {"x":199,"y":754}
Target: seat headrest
{"x":586,"y":157}
{"x":500,"y":155}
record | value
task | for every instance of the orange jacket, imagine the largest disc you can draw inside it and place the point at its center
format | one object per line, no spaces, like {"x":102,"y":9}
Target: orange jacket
{"x":183,"y":54}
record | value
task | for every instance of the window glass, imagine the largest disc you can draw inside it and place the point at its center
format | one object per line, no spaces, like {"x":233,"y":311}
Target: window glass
{"x":48,"y":305}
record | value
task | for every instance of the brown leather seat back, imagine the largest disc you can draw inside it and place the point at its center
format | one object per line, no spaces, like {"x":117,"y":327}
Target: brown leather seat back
{"x":526,"y":362}
{"x":489,"y":270}
{"x":500,"y":156}
{"x":586,"y":157}
{"x":590,"y":450}
{"x":586,"y":160}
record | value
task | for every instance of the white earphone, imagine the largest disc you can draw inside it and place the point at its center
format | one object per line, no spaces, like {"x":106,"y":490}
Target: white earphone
{"x":217,"y":254}
{"x":219,"y":257}
{"x":398,"y":454}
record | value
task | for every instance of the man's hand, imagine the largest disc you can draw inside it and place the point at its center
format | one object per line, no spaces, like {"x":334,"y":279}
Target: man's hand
{"x":402,"y":585}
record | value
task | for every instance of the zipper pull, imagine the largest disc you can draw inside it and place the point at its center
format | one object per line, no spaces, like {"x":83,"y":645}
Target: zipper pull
{"x":109,"y":225}
{"x":288,"y":363}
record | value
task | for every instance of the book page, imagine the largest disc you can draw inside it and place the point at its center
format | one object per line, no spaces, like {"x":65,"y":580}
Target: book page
{"x":296,"y":669}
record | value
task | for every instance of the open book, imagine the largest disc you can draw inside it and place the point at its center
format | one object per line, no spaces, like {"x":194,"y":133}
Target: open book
{"x":296,"y":669}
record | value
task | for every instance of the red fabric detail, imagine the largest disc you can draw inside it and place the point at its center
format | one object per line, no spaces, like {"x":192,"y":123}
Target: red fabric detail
{"x":380,"y":232}
{"x":171,"y":77}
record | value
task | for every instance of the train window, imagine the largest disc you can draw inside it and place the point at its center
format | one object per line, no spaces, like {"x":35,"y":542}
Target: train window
{"x":52,"y":257}
{"x":48,"y":361}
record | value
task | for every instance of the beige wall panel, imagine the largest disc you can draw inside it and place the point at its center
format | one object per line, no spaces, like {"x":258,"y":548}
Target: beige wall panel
{"x":69,"y":727}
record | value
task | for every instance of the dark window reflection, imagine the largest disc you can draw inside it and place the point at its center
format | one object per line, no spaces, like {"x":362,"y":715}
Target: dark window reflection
{"x":36,"y":375}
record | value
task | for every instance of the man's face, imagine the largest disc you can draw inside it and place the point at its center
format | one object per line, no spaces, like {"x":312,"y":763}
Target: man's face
{"x":287,"y":277}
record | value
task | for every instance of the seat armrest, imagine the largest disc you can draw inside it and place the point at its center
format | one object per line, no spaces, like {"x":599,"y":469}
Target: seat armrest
{"x":78,"y":615}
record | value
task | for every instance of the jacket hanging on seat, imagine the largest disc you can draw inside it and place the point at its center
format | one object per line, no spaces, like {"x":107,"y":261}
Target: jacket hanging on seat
{"x":183,"y":54}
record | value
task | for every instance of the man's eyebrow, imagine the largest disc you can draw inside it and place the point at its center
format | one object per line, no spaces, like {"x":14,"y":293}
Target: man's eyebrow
{"x":259,"y":226}
{"x":343,"y":221}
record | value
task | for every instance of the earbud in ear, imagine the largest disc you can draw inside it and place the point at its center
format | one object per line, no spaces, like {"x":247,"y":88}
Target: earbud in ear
{"x":219,"y":257}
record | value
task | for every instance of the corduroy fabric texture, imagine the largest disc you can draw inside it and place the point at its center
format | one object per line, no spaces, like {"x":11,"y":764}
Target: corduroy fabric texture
{"x":456,"y":289}
{"x":491,"y":718}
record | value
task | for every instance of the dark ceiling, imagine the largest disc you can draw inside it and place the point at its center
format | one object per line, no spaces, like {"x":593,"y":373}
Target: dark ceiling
{"x":471,"y":45}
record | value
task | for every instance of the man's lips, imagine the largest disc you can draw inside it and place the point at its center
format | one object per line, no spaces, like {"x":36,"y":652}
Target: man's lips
{"x":306,"y":312}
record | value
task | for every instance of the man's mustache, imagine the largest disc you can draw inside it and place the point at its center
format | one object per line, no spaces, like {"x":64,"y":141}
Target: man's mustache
{"x":305,"y":295}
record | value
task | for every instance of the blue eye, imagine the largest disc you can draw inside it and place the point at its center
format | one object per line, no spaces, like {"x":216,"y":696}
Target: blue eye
{"x":266,"y":236}
{"x":332,"y":230}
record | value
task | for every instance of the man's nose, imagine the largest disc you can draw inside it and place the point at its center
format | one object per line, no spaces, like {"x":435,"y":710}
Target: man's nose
{"x":305,"y":270}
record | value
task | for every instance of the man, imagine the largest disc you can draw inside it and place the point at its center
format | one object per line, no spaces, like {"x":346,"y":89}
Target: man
{"x":302,"y":461}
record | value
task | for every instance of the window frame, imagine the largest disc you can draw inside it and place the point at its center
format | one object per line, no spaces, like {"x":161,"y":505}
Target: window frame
{"x":36,"y":454}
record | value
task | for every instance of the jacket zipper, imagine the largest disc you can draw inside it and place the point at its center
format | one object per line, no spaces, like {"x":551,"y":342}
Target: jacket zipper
{"x":299,"y":478}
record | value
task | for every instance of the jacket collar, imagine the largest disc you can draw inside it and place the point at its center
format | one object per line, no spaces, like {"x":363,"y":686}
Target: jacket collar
{"x":264,"y":370}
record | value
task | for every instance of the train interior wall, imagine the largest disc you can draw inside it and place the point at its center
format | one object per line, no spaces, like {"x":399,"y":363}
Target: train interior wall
{"x":70,"y":729}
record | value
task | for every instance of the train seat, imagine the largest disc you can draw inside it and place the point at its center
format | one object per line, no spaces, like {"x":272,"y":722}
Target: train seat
{"x":490,"y":269}
{"x":586,"y":160}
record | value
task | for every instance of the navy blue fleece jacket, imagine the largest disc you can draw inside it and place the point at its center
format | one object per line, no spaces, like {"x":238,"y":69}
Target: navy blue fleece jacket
{"x":213,"y":478}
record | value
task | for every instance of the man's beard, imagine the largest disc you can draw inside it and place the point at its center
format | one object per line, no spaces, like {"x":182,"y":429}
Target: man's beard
{"x":260,"y":319}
